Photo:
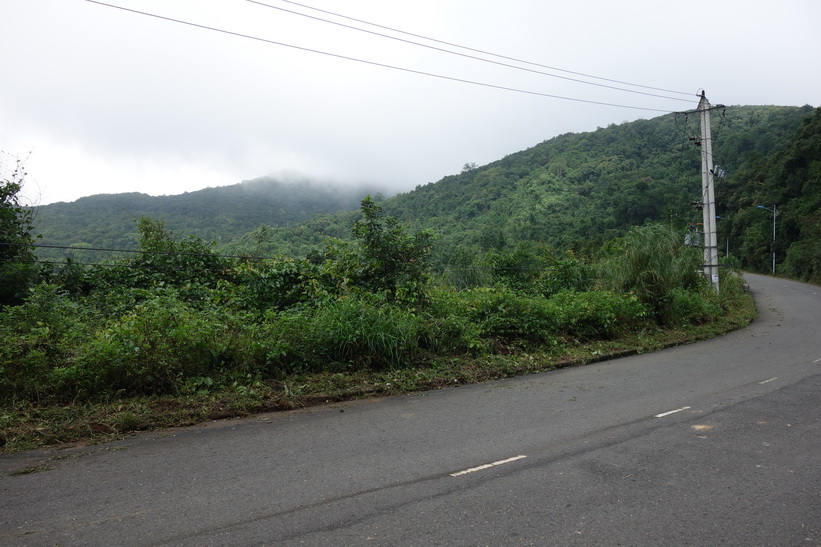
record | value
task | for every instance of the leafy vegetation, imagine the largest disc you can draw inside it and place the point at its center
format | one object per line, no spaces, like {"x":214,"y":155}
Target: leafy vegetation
{"x":789,"y":180}
{"x":17,"y":269}
{"x":579,"y":191}
{"x":179,"y":322}
{"x":575,"y":191}
{"x":566,"y":252}
{"x":224,"y":215}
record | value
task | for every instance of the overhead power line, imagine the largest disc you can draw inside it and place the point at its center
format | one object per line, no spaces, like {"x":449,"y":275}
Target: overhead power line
{"x":482,"y":51}
{"x":128,"y":264}
{"x":135,"y":251}
{"x":374,"y":63}
{"x":465,"y":55}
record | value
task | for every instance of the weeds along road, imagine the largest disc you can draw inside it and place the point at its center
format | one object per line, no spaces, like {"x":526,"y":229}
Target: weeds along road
{"x":712,"y":443}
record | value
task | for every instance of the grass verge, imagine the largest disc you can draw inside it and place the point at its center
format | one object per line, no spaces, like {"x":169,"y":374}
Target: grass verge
{"x":25,"y":427}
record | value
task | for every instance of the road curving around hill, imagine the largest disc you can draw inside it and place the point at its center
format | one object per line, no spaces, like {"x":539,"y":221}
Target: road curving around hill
{"x":708,"y":443}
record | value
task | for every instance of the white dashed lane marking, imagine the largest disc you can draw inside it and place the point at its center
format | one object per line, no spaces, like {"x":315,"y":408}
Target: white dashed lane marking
{"x":486,"y":466}
{"x":663,"y":414}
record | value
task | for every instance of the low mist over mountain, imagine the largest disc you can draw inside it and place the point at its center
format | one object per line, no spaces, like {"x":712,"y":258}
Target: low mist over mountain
{"x":213,"y":214}
{"x":580,"y":190}
{"x":574,"y":191}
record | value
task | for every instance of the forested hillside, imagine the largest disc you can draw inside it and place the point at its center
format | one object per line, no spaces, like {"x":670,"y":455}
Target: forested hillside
{"x":575,"y":191}
{"x":214,"y":214}
{"x":580,"y":190}
{"x":788,"y":181}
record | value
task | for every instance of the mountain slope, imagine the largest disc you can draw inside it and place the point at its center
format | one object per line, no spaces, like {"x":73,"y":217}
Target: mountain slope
{"x":213,"y":214}
{"x":578,"y":190}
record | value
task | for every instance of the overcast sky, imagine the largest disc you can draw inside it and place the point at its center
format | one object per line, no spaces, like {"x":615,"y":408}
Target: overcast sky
{"x":100,"y":100}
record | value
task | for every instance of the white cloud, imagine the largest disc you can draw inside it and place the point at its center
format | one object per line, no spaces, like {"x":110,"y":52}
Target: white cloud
{"x":112,"y":101}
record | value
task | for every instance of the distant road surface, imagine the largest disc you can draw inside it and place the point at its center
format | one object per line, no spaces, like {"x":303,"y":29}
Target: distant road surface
{"x":715,"y":443}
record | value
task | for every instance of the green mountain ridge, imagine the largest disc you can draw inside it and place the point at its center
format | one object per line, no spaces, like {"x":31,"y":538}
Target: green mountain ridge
{"x":574,"y":191}
{"x":213,"y":214}
{"x":580,"y":190}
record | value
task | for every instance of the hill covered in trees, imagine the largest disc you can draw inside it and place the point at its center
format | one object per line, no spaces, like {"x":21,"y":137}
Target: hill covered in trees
{"x":580,"y":190}
{"x":214,"y":214}
{"x":575,"y":191}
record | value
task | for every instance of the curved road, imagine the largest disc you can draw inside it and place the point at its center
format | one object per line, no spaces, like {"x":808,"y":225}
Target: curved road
{"x":712,"y":443}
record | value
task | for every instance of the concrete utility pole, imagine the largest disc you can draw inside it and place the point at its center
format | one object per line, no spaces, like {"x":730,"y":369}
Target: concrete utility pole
{"x":708,"y":197}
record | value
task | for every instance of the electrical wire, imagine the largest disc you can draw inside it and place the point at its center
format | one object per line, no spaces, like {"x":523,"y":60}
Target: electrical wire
{"x":467,"y":55}
{"x":134,"y":251}
{"x":481,"y":51}
{"x":96,"y":264}
{"x":372,"y":63}
{"x":71,"y":262}
{"x":209,"y":255}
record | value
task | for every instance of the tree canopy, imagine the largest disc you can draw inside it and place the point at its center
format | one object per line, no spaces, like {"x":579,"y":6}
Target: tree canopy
{"x":17,"y":267}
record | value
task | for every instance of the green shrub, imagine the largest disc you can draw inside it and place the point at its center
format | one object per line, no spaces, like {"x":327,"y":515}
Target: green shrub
{"x":275,"y":284}
{"x":464,"y":269}
{"x":153,"y":348}
{"x":520,"y":269}
{"x":804,"y":260}
{"x":448,"y":326}
{"x":690,"y":307}
{"x":352,"y":332}
{"x":651,"y":261}
{"x":17,"y":269}
{"x":384,"y":260}
{"x":502,"y":313}
{"x":598,"y":314}
{"x":35,"y":337}
{"x":567,"y":273}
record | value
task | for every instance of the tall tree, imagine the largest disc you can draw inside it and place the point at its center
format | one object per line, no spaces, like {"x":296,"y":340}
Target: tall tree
{"x":17,"y":260}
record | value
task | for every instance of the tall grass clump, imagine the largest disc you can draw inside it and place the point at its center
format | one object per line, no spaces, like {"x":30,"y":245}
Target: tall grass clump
{"x":653,"y":263}
{"x":353,"y":332}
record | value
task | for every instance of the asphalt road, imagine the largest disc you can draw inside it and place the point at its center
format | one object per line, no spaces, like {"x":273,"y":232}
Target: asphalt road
{"x":716,"y":443}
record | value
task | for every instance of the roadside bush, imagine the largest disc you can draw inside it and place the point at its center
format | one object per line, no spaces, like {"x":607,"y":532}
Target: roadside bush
{"x":464,"y":268}
{"x":153,"y":348}
{"x":35,"y":337}
{"x":535,"y":270}
{"x":650,"y":262}
{"x":447,"y":325}
{"x":689,"y":307}
{"x":384,"y":259}
{"x":275,"y":284}
{"x":349,"y":333}
{"x":190,"y":266}
{"x":598,"y":314}
{"x":501,"y":313}
{"x":520,"y":269}
{"x":477,"y":316}
{"x":567,"y":273}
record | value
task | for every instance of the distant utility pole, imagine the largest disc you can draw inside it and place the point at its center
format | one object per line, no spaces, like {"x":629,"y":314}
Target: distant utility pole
{"x":708,"y":197}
